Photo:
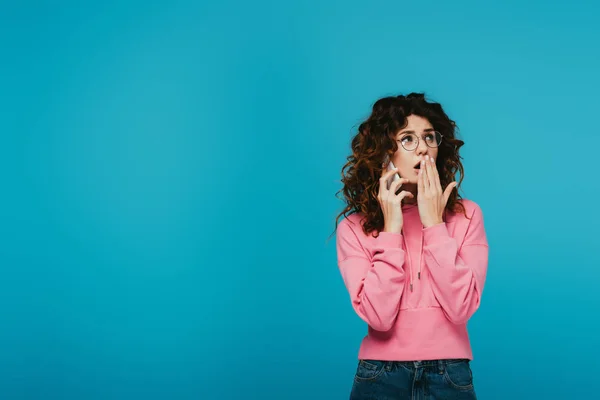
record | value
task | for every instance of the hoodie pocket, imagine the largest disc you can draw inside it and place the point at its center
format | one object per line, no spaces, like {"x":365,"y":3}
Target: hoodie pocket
{"x":421,"y":295}
{"x":426,"y":298}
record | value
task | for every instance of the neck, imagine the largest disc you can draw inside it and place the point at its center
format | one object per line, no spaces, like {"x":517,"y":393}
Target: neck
{"x":411,"y":187}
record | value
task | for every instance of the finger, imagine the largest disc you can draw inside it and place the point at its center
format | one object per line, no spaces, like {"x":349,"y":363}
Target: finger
{"x":396,"y":185}
{"x":448,"y":191}
{"x":436,"y":175}
{"x":385,"y":177}
{"x":430,"y":176}
{"x":385,"y":174}
{"x":425,"y":175}
{"x":403,"y":194}
{"x":420,"y":184}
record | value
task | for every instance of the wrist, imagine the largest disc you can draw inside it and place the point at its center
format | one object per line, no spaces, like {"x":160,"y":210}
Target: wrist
{"x":396,"y":230}
{"x":433,"y":223}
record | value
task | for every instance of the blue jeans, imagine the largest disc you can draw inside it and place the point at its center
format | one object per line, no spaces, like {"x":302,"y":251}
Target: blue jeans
{"x":413,"y":380}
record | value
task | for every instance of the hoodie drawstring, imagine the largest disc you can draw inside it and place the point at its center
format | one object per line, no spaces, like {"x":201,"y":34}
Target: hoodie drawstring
{"x":410,"y":266}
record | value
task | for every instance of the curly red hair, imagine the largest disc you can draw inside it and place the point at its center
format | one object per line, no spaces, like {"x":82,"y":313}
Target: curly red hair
{"x":376,"y":138}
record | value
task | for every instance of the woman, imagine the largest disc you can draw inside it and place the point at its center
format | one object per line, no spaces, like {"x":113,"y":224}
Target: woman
{"x":412,"y":253}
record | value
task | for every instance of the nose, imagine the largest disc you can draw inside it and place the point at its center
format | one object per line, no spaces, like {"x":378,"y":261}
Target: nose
{"x":421,"y":148}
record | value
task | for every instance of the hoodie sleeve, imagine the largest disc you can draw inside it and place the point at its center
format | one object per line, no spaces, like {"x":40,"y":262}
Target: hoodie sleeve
{"x":457,"y":273}
{"x":375,"y":284}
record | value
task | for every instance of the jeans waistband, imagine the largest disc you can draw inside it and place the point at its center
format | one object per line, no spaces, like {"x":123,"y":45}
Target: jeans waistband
{"x":429,"y":363}
{"x":420,"y":363}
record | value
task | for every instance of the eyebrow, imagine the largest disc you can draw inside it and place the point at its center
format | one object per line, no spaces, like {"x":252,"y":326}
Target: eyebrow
{"x":424,"y":130}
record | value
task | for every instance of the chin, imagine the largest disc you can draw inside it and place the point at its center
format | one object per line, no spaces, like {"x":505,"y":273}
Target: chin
{"x":413,"y":179}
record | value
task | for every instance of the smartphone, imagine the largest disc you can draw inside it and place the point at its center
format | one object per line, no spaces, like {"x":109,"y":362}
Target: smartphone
{"x":391,"y":166}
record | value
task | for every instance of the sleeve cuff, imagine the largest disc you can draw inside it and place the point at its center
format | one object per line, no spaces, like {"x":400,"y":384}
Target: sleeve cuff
{"x":435,"y":232}
{"x":390,"y":239}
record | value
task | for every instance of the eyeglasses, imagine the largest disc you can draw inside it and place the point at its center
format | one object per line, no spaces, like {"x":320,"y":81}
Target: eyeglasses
{"x":410,"y":142}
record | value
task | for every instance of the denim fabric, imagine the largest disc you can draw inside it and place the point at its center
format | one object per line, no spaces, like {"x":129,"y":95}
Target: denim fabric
{"x":413,"y":380}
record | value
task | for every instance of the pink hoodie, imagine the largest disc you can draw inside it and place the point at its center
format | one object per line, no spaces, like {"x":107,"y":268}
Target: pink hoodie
{"x":445,"y":265}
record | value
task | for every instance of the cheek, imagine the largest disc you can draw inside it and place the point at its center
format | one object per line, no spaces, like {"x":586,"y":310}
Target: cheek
{"x":400,"y":159}
{"x":406,"y":168}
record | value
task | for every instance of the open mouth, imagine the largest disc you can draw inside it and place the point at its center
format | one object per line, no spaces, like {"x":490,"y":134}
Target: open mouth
{"x":418,"y":166}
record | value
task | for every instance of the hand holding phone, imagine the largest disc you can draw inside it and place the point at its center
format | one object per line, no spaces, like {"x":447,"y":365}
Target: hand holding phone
{"x":390,"y":201}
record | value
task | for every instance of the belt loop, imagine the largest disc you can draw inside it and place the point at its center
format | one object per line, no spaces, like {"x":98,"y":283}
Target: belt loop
{"x":441,"y":367}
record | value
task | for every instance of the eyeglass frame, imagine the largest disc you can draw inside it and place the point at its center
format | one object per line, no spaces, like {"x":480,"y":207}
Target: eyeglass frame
{"x":419,"y":138}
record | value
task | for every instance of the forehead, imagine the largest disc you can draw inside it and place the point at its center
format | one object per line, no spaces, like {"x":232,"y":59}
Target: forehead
{"x":416,"y":124}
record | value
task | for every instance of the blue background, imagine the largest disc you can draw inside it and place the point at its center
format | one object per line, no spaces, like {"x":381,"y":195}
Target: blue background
{"x":169,"y":172}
